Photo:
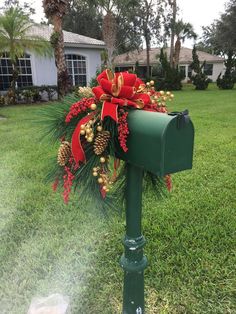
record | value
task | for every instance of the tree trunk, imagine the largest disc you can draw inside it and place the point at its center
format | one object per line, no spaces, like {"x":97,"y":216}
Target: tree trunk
{"x":176,"y":53}
{"x":109,"y":29}
{"x":11,"y":94}
{"x":174,"y":5}
{"x":148,"y":57}
{"x":63,"y":80}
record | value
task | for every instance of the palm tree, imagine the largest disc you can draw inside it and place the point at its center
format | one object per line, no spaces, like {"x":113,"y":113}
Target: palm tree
{"x":173,"y":5}
{"x":55,"y":10}
{"x":14,"y":39}
{"x":182,"y":32}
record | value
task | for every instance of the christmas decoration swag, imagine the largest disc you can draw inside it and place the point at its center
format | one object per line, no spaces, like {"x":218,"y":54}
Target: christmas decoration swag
{"x":94,"y":128}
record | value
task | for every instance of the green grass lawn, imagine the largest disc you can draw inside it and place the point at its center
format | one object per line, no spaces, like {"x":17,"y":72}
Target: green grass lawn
{"x":48,"y":247}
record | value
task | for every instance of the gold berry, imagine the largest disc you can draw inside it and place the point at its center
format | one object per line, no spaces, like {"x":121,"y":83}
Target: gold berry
{"x":102,"y":159}
{"x":93,"y":106}
{"x":95,"y":174}
{"x":82,"y":132}
{"x":82,"y":127}
{"x":89,"y":139}
{"x":167,"y":93}
{"x":99,"y":128}
{"x":162,"y":93}
{"x":172,"y":96}
{"x":100,"y":180}
{"x":152,"y":82}
{"x":148,"y":83}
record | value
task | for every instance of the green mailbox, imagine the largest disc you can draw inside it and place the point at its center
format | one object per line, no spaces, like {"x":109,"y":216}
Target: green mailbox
{"x":160,"y":143}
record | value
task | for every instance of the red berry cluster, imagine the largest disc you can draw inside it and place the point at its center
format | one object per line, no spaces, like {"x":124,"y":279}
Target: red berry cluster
{"x":123,"y":129}
{"x":162,"y":109}
{"x":55,"y":184}
{"x":68,"y":181}
{"x":80,"y":106}
{"x":151,"y":107}
{"x":168,"y":182}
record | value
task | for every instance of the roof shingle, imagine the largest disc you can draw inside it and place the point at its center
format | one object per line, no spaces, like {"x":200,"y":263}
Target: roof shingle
{"x":70,"y":39}
{"x":130,"y":58}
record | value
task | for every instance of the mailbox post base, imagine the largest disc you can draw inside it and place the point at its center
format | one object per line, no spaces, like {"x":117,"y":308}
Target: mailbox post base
{"x":133,"y":261}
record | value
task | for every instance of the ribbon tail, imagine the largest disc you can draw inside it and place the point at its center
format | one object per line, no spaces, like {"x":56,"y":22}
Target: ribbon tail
{"x":109,"y":110}
{"x":76,"y":146}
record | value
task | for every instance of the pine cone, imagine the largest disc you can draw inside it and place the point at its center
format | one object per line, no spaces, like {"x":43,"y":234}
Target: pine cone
{"x":64,"y":153}
{"x":101,"y":142}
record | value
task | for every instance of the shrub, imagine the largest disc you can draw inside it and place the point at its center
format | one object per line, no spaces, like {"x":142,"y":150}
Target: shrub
{"x":2,"y":101}
{"x":228,"y":79}
{"x":27,"y":95}
{"x":168,"y":78}
{"x":226,"y":82}
{"x":50,"y":90}
{"x":199,"y":79}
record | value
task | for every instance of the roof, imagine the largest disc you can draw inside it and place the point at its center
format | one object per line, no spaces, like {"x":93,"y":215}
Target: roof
{"x":130,"y":58}
{"x":70,"y":39}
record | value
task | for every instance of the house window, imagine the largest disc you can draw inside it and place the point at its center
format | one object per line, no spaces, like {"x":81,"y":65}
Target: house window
{"x":208,"y":69}
{"x":24,"y":69}
{"x":142,"y":71}
{"x":190,"y":71}
{"x":182,"y":71}
{"x":76,"y":66}
{"x":124,"y":69}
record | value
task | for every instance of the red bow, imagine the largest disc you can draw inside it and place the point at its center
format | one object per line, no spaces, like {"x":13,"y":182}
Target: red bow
{"x":119,"y":89}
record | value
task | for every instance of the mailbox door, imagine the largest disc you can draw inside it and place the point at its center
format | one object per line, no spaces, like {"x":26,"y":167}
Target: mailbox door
{"x":178,"y":151}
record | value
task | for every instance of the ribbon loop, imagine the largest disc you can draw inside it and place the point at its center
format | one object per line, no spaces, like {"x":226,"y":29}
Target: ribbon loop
{"x":120,"y":89}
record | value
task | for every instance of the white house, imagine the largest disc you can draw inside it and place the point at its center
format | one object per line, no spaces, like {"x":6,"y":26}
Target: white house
{"x":83,"y":57}
{"x":214,"y":64}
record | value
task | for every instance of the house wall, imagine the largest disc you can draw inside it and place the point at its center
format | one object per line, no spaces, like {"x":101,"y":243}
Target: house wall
{"x":217,"y":69}
{"x":44,"y":70}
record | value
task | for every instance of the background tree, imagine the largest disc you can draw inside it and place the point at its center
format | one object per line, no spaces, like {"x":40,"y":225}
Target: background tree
{"x":14,"y":39}
{"x":199,"y":78}
{"x":150,"y":15}
{"x":125,"y":23}
{"x":84,"y":18}
{"x":25,"y":6}
{"x":55,"y":11}
{"x":128,"y":34}
{"x":220,"y":38}
{"x":220,"y":35}
{"x":182,"y":31}
{"x":119,"y":27}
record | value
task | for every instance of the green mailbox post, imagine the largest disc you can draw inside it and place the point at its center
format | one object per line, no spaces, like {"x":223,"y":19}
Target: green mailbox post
{"x":161,"y":144}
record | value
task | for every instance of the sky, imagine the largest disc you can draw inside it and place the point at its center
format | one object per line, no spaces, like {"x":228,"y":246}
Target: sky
{"x":199,"y":13}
